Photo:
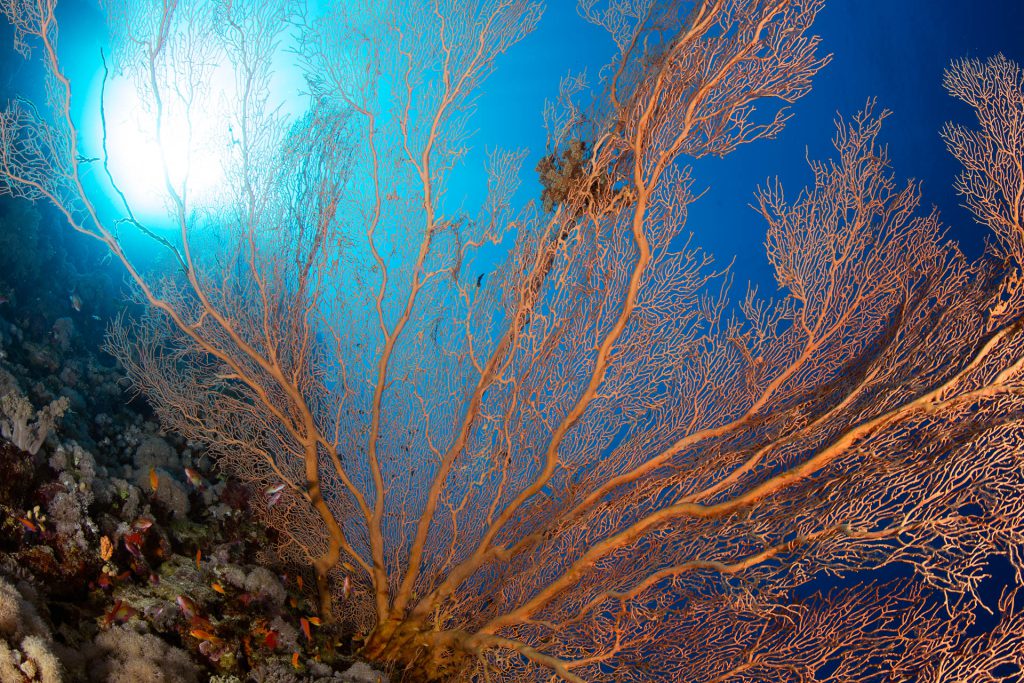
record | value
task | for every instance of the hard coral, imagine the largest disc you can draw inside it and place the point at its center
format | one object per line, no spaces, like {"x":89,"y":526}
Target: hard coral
{"x":155,"y":455}
{"x":23,"y":426}
{"x":264,"y":583}
{"x":154,"y":452}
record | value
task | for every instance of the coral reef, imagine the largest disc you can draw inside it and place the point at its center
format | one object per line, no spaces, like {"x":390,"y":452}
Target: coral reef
{"x":25,"y":427}
{"x":128,"y":656}
{"x":26,"y":652}
{"x":124,"y":555}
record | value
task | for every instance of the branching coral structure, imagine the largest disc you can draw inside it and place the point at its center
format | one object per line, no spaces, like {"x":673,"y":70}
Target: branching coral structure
{"x":598,"y":466}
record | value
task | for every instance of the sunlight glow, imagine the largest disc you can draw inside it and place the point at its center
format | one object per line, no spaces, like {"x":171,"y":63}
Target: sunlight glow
{"x":190,"y":146}
{"x":193,"y":149}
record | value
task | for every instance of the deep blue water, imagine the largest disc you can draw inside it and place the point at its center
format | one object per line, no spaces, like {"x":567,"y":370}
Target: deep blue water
{"x":893,"y":50}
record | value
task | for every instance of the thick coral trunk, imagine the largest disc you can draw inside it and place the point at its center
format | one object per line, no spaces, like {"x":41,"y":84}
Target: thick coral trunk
{"x":323,"y":589}
{"x":422,"y":654}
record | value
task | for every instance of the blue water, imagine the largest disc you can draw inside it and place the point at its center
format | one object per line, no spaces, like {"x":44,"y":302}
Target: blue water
{"x":893,"y":50}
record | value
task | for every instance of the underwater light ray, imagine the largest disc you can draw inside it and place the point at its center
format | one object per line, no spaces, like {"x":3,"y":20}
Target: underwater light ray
{"x":167,"y":144}
{"x":110,"y":178}
{"x":103,"y":143}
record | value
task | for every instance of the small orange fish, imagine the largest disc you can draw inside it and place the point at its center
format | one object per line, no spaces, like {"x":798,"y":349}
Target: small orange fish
{"x":315,"y":621}
{"x":273,"y":493}
{"x":194,"y":478}
{"x":201,"y":622}
{"x":188,"y":608}
{"x":219,"y":588}
{"x":199,"y":556}
{"x":126,"y":611}
{"x":204,"y":635}
{"x":295,"y":660}
{"x":28,"y":524}
{"x":154,"y":481}
{"x":347,"y":566}
{"x":293,"y":602}
{"x":298,"y":580}
{"x":346,"y":587}
{"x":131,"y":544}
{"x":120,"y":613}
{"x":304,"y":623}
